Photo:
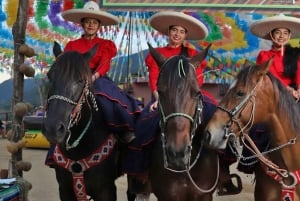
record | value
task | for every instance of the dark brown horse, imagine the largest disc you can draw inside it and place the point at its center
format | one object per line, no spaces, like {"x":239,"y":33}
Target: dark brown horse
{"x":86,"y":153}
{"x":257,"y":97}
{"x":181,"y":169}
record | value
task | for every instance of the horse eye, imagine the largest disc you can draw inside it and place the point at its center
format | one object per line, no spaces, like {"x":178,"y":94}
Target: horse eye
{"x":241,"y":93}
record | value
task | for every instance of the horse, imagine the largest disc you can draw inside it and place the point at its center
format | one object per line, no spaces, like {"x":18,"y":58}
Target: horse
{"x":86,"y":154}
{"x":181,"y":168}
{"x":257,"y":97}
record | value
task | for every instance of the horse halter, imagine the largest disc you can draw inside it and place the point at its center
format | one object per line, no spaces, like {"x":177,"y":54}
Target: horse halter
{"x":76,"y":112}
{"x":243,"y":130}
{"x":237,"y":110}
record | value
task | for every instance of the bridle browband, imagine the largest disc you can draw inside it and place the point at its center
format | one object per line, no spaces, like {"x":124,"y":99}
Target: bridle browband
{"x":76,"y":112}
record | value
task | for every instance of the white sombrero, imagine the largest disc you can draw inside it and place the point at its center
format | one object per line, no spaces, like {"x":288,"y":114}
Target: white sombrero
{"x":90,"y":10}
{"x":161,"y":21}
{"x":262,"y":28}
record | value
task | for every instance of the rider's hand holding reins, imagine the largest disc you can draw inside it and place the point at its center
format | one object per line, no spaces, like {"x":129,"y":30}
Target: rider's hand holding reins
{"x":153,"y":106}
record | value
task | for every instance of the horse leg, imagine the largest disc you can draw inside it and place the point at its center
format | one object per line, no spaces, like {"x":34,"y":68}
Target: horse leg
{"x":226,"y":186}
{"x":266,"y":188}
{"x":130,"y":195}
{"x":65,"y":183}
{"x":108,"y":193}
{"x":142,"y":197}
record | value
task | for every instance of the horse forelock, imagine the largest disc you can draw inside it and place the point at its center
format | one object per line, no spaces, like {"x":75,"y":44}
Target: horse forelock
{"x":71,"y":67}
{"x":178,"y":76}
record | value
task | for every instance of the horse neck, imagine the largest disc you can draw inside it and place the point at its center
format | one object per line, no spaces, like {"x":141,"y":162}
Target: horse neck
{"x":91,"y":140}
{"x":282,"y":132}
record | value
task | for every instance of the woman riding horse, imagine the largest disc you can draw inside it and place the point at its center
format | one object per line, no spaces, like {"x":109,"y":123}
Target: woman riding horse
{"x":178,"y":27}
{"x":285,"y":67}
{"x":120,"y":109}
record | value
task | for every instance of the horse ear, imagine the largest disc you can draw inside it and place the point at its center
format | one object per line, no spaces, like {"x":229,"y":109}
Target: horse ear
{"x":159,"y":58}
{"x":88,"y":55}
{"x":247,"y":64}
{"x":56,"y":49}
{"x":197,"y":59}
{"x":264,"y":67}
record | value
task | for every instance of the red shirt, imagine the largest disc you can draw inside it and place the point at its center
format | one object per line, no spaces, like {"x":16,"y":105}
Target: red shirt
{"x":102,"y":58}
{"x":168,"y":52}
{"x":276,"y":67}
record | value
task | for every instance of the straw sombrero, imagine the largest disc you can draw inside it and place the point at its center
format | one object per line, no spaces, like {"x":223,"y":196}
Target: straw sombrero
{"x":161,"y":21}
{"x":262,"y":28}
{"x":90,"y":10}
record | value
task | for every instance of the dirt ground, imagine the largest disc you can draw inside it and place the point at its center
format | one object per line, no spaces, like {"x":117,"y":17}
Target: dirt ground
{"x":45,"y":188}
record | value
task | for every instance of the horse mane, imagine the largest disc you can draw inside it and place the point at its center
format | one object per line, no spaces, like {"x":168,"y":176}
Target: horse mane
{"x":286,"y":105}
{"x":178,"y":75}
{"x":290,"y":61}
{"x":71,"y":66}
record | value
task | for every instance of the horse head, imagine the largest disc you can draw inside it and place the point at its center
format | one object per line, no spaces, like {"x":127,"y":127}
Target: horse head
{"x":245,"y":103}
{"x":180,"y":105}
{"x":70,"y":99}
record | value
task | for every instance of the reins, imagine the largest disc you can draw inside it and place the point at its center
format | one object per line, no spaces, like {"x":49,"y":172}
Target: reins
{"x":244,"y":130}
{"x":75,"y":115}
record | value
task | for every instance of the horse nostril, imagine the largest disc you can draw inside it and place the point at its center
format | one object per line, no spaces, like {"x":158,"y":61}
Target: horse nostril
{"x":207,"y":137}
{"x":61,"y":128}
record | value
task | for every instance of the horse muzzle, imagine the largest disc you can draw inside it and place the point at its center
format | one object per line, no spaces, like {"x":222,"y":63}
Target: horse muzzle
{"x":178,"y":159}
{"x":54,"y":132}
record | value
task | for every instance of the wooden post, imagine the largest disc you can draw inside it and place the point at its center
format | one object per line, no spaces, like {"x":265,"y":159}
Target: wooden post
{"x":18,"y":31}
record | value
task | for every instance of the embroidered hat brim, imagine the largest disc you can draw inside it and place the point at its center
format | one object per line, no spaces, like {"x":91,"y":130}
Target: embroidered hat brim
{"x":161,"y":21}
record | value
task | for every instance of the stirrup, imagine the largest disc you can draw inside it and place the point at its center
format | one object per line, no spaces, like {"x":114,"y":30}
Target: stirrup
{"x":229,"y":188}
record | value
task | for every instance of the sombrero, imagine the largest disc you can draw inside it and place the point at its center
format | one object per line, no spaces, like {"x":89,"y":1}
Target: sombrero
{"x":90,"y":10}
{"x":161,"y":21}
{"x":262,"y":28}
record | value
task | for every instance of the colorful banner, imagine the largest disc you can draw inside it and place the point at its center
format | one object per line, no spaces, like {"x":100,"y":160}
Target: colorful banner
{"x":232,"y":42}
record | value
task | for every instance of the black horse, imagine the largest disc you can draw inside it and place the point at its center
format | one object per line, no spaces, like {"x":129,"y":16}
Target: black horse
{"x":86,"y":154}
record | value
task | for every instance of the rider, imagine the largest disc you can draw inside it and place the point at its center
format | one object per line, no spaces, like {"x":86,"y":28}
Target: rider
{"x":178,"y":27}
{"x":119,"y":108}
{"x":285,"y":67}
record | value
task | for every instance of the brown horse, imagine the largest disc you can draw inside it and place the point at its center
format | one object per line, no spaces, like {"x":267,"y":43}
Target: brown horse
{"x":181,"y":168}
{"x":257,"y":97}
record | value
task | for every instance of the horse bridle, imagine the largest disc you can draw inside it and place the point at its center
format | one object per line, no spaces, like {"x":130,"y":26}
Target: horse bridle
{"x":195,"y":121}
{"x":76,"y":112}
{"x":244,"y":130}
{"x":237,"y":110}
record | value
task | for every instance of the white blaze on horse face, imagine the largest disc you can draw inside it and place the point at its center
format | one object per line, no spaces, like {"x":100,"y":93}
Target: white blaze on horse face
{"x":217,"y":134}
{"x":216,"y":130}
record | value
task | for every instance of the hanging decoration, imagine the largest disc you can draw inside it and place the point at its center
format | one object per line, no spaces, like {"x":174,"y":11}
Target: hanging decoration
{"x":229,"y":34}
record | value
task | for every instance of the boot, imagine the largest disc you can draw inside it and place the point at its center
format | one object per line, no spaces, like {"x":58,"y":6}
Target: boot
{"x":139,"y":184}
{"x":226,"y":186}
